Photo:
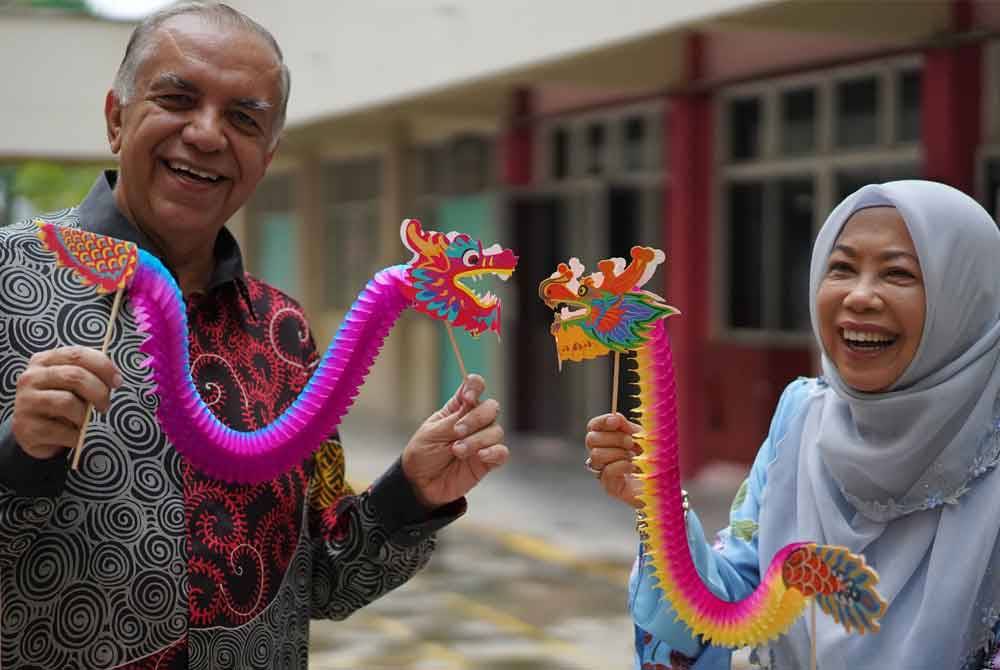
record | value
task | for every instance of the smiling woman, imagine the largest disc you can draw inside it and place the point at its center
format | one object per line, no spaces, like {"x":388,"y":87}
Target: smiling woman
{"x":891,"y":453}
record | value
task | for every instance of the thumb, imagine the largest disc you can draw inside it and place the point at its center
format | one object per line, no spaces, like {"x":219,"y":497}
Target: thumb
{"x":442,"y":425}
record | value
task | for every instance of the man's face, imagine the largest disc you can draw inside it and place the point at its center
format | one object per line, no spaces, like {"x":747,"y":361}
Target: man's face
{"x":196,"y":137}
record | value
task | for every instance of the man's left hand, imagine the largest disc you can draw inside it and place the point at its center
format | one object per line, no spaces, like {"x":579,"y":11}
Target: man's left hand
{"x":455,"y":447}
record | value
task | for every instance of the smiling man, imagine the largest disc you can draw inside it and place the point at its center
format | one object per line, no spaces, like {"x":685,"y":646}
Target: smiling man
{"x":137,"y":560}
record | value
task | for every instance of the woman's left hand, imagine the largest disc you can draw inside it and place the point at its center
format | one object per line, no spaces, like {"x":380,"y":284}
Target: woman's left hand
{"x":611,"y":448}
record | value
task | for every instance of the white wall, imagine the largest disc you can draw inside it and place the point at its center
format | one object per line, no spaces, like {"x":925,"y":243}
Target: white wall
{"x":56,"y":70}
{"x":345,"y":55}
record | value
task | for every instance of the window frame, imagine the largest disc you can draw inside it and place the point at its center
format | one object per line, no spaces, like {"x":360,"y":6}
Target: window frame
{"x":822,"y":165}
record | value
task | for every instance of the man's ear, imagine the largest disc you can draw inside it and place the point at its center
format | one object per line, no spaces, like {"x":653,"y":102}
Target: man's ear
{"x":270,"y":154}
{"x":113,"y":120}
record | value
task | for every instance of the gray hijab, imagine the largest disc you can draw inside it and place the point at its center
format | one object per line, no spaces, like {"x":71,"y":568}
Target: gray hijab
{"x":907,"y":476}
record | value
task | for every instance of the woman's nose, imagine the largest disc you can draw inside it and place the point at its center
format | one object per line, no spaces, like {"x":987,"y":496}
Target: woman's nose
{"x":863,"y":296}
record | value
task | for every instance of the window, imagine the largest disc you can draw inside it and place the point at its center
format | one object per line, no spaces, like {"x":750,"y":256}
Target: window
{"x":596,"y":148}
{"x":634,"y":143}
{"x":793,"y":148}
{"x":798,"y":121}
{"x":744,"y":129}
{"x":857,"y":112}
{"x":560,"y":153}
{"x":351,"y":240}
{"x":908,"y":106}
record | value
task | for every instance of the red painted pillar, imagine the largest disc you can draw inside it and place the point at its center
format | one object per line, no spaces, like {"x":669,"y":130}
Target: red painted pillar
{"x":688,"y":222}
{"x":951,"y":107}
{"x":517,"y":142}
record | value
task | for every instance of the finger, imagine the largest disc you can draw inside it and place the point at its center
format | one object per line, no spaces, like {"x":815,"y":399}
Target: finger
{"x":64,"y":406}
{"x":615,"y":479}
{"x":603,"y":439}
{"x":482,"y":439}
{"x":478,"y":418}
{"x":613,"y":422}
{"x":92,"y":360}
{"x":41,"y":433}
{"x":74,"y":380}
{"x":494,"y":456}
{"x":604,"y":456}
{"x":465,"y":397}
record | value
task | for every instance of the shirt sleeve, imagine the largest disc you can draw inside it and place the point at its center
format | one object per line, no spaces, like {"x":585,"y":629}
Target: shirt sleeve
{"x":365,"y":545}
{"x":730,"y":568}
{"x":28,"y":489}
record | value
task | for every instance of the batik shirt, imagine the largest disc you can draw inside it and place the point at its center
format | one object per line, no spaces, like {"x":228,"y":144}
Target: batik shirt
{"x":138,"y":560}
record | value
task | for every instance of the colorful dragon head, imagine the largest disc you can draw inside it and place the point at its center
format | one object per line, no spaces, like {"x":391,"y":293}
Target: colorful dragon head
{"x":442,"y":271}
{"x":607,"y":308}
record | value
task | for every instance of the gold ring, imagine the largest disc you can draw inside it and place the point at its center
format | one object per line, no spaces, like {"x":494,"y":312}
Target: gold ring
{"x":590,"y":468}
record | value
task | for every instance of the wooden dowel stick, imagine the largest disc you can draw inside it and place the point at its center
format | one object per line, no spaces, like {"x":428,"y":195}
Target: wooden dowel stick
{"x":614,"y":384}
{"x":458,"y":354}
{"x":108,"y":333}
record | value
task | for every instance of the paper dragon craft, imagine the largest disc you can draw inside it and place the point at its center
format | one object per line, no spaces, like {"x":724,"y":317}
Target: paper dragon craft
{"x":440,"y":265}
{"x":610,"y":310}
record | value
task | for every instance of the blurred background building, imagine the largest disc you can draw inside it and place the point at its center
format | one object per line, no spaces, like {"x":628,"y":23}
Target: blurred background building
{"x":723,"y":131}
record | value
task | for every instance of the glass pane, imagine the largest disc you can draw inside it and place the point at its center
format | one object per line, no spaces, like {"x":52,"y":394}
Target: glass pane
{"x":746,"y":263}
{"x":634,"y":145}
{"x":560,"y":153}
{"x":796,"y":204}
{"x":857,"y":112}
{"x":798,"y":121}
{"x":350,"y":253}
{"x":744,"y":129}
{"x":596,"y":137}
{"x":908,"y":107}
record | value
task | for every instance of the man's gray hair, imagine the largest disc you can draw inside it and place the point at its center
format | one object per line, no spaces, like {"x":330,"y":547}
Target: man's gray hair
{"x":139,"y":46}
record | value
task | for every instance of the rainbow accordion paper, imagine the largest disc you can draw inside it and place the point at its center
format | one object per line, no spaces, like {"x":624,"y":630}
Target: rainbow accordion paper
{"x":842,"y":584}
{"x":261,"y":455}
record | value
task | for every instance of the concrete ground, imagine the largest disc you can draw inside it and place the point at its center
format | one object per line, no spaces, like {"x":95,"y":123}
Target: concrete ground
{"x":532,"y":578}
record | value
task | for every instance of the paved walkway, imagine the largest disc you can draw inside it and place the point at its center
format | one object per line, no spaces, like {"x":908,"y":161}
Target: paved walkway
{"x":532,"y":578}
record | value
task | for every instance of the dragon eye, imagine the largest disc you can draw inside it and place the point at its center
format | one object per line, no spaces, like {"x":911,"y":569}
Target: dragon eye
{"x":471,"y":258}
{"x":582,"y":291}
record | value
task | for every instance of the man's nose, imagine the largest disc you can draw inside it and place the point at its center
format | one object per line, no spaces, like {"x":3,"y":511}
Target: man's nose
{"x":205,"y":131}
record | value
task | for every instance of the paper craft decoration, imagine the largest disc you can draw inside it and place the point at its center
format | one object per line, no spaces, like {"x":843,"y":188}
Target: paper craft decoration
{"x":104,"y":262}
{"x":604,"y":311}
{"x":840,"y":582}
{"x":442,"y":273}
{"x":259,"y":456}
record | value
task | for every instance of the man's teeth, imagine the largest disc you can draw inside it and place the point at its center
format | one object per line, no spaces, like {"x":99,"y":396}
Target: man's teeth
{"x":867,"y":337}
{"x":198,"y":173}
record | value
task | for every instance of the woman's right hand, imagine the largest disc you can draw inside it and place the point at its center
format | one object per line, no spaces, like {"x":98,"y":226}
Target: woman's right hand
{"x":611,"y":448}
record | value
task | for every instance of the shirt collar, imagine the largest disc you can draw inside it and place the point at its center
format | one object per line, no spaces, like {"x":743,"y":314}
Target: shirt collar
{"x":99,"y":214}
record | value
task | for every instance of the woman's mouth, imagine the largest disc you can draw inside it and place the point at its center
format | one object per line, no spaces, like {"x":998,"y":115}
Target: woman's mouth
{"x":866,"y":341}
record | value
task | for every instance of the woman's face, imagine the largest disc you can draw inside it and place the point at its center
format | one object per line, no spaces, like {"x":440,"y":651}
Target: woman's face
{"x":871,"y":304}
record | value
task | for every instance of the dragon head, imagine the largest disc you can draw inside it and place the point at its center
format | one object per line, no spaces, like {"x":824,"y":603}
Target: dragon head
{"x":607,"y":307}
{"x":444,"y":269}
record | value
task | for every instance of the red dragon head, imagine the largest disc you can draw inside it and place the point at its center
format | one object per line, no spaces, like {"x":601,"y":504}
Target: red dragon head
{"x":442,"y":271}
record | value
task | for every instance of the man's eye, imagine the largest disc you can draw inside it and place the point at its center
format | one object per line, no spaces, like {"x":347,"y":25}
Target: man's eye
{"x":244,"y":119}
{"x":175,"y":100}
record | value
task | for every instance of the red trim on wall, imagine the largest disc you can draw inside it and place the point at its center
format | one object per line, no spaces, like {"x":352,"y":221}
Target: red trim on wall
{"x":950,"y":114}
{"x":517,"y":144}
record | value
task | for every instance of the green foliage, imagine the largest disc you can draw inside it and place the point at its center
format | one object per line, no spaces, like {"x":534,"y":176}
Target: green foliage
{"x":50,"y":186}
{"x":64,"y":5}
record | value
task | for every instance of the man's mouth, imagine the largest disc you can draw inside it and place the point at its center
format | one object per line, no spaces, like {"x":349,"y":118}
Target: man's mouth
{"x":189,"y":171}
{"x":867,"y":341}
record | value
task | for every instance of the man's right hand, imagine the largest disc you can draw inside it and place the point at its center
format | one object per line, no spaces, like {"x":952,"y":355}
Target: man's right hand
{"x":50,"y":404}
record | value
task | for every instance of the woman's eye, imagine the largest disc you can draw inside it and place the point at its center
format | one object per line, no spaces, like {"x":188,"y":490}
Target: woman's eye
{"x":839,"y":267}
{"x":900,"y":273}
